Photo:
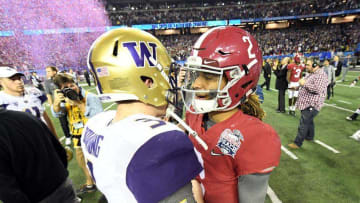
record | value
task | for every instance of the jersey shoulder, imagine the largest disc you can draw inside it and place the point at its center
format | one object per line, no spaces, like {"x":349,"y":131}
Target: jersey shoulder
{"x":291,"y":66}
{"x":33,"y":91}
{"x":101,"y":119}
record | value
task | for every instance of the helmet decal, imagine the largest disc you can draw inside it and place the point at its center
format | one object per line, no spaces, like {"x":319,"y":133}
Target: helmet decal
{"x":139,"y":59}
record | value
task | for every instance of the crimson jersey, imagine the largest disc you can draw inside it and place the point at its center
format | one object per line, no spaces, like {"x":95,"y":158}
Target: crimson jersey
{"x":295,"y":72}
{"x":238,"y":146}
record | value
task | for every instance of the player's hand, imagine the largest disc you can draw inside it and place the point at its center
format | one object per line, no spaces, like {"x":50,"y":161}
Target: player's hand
{"x":58,"y":97}
{"x":69,"y":153}
{"x":181,"y":77}
{"x":302,"y":82}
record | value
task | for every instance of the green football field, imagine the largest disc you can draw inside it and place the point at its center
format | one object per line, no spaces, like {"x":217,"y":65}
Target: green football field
{"x":315,"y":173}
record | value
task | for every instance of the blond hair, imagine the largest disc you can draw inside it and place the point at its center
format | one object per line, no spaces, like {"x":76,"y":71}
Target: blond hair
{"x":252,"y":107}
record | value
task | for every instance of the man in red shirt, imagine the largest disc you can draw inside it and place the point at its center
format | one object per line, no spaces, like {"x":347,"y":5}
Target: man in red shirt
{"x":293,"y":77}
{"x":218,"y":92}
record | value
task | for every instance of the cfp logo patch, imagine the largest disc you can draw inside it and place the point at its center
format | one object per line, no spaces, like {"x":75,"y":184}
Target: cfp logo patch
{"x":145,"y":53}
{"x":230,"y":141}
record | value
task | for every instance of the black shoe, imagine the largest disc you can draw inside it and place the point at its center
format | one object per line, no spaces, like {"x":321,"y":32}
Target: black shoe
{"x":102,"y":199}
{"x":310,"y":140}
{"x":292,"y":113}
{"x":86,"y":189}
{"x":352,"y":117}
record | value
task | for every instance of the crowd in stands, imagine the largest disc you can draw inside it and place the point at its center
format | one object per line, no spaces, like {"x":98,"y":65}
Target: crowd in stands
{"x":148,"y":14}
{"x":338,"y":38}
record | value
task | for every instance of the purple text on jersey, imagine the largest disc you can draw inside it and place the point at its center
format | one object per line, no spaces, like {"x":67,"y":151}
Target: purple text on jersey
{"x":92,"y":141}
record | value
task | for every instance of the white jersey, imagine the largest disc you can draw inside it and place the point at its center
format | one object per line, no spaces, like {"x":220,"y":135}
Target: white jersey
{"x":125,"y":156}
{"x":31,"y":102}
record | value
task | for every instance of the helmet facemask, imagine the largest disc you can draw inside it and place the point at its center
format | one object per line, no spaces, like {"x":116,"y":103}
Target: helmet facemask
{"x":199,"y":100}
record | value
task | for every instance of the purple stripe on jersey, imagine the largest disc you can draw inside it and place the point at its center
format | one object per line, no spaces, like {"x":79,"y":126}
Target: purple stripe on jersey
{"x":42,"y":98}
{"x":161,"y":166}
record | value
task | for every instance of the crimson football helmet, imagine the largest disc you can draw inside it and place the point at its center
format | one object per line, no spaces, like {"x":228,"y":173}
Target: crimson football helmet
{"x":228,"y":53}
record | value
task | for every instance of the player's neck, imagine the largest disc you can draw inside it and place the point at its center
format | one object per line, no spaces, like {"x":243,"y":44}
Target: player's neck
{"x":13,"y":93}
{"x":219,"y":116}
{"x":125,"y":110}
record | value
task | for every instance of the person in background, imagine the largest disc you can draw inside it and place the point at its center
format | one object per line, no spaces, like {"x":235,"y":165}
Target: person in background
{"x":330,"y":72}
{"x":294,"y":73}
{"x":222,"y":108}
{"x":312,"y":95}
{"x":51,"y":71}
{"x":354,"y":116}
{"x":36,"y":81}
{"x":87,"y":77}
{"x":267,"y":74}
{"x":346,"y":67}
{"x":16,"y":96}
{"x":33,"y":165}
{"x":338,"y":66}
{"x":79,"y":105}
{"x":280,"y":70}
{"x":74,"y":75}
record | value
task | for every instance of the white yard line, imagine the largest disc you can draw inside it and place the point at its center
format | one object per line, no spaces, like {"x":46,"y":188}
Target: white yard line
{"x":347,"y":86}
{"x":342,"y":101}
{"x":334,"y":106}
{"x":274,"y":198}
{"x":109,"y":106}
{"x":292,"y":155}
{"x":62,"y":138}
{"x":331,"y":105}
{"x":327,"y":146}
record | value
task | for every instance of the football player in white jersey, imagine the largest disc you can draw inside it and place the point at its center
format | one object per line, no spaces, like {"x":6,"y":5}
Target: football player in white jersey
{"x":132,"y":154}
{"x":15,"y":96}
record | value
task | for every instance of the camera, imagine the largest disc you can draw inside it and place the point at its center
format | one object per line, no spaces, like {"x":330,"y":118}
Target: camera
{"x":70,"y":93}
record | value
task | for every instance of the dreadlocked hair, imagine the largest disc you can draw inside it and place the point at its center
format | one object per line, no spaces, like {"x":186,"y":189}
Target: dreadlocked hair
{"x":252,"y":107}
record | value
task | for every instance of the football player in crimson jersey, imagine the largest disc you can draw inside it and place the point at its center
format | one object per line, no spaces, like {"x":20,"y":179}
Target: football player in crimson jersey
{"x":18,"y":98}
{"x":293,"y":77}
{"x":131,"y":153}
{"x":218,"y":92}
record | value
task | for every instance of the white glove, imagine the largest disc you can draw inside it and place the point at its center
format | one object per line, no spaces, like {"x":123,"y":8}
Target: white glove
{"x":68,"y":141}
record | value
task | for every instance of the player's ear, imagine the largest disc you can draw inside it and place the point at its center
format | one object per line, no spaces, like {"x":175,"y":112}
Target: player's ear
{"x":148,"y":81}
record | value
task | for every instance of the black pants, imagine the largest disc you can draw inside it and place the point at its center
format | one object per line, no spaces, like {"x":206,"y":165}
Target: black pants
{"x":65,"y":125}
{"x":281,"y":100}
{"x":63,"y":194}
{"x":306,"y":128}
{"x":88,"y":81}
{"x":330,"y":90}
{"x":266,"y":83}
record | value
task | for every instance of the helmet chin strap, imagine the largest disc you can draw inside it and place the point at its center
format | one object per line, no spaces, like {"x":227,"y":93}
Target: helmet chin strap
{"x":205,"y":106}
{"x":170,"y":112}
{"x":170,"y":109}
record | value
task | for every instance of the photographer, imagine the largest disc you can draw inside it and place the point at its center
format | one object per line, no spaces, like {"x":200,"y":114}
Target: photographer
{"x":79,"y":105}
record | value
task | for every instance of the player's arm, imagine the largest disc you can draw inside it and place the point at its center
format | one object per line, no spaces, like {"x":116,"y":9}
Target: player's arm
{"x":197,"y":191}
{"x":288,"y":74}
{"x":58,"y":98}
{"x":253,"y":187}
{"x":50,"y":124}
{"x":49,"y":98}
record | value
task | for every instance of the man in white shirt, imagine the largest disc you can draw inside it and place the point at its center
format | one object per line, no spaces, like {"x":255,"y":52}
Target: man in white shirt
{"x":15,"y":96}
